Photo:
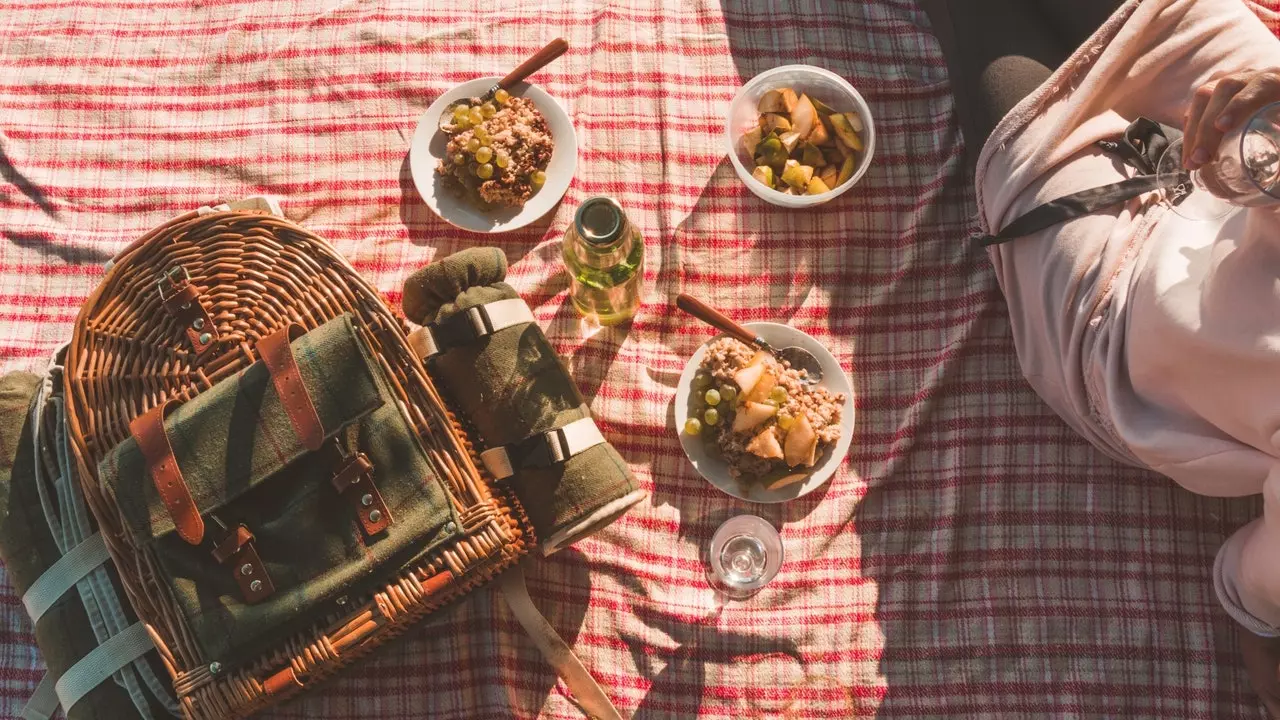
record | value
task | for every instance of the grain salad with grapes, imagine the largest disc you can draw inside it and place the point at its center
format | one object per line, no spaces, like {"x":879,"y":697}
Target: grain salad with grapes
{"x":760,"y":415}
{"x":498,"y":151}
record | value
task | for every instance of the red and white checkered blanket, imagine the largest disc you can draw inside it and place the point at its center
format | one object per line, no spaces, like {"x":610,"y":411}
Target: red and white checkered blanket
{"x":974,"y":557}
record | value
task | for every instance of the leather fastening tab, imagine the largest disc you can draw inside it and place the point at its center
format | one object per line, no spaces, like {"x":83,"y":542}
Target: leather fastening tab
{"x":354,"y":482}
{"x":148,"y":430}
{"x":181,"y":299}
{"x":246,"y":566}
{"x":278,"y":356}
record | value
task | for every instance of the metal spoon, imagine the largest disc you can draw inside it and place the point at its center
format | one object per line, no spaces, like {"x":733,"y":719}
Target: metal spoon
{"x":799,"y":358}
{"x":539,"y":60}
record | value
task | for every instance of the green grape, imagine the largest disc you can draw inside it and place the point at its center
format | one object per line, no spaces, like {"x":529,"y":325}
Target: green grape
{"x":778,"y":394}
{"x":473,"y":145}
{"x":711,"y":416}
{"x":485,"y":171}
{"x":502,"y":159}
{"x":459,"y":159}
{"x":538,"y":179}
{"x":693,"y":426}
{"x":712,"y":397}
{"x":460,"y":113}
{"x":475,"y":116}
{"x":785,"y":421}
{"x":502,"y":96}
{"x":482,"y":135}
{"x":484,"y":154}
{"x":701,"y":381}
{"x":463,"y":124}
{"x":488,"y":110}
{"x":728,"y":393}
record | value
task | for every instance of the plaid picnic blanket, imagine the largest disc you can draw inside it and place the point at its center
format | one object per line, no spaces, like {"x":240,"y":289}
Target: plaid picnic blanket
{"x":973,"y":558}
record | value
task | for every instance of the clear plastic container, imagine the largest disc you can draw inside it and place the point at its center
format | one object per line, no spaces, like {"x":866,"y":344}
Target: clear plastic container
{"x":815,"y":82}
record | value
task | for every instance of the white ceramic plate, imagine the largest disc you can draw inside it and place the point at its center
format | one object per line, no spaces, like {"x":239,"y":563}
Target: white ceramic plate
{"x":429,"y":144}
{"x":716,"y":471}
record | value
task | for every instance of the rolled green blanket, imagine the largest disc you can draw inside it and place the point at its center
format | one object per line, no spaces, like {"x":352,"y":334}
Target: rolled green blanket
{"x":512,"y":385}
{"x":65,"y":632}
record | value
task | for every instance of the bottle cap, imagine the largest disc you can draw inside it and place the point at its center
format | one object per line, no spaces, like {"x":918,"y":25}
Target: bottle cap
{"x":599,"y":220}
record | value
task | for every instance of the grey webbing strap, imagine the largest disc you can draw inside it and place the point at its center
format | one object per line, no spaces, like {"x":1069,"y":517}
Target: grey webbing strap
{"x":63,"y":575}
{"x":468,"y":326}
{"x":43,"y":701}
{"x":542,"y":449}
{"x":102,"y":662}
{"x":590,"y":696}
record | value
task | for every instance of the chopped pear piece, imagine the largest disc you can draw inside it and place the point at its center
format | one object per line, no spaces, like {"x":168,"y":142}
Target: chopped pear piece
{"x":801,"y":443}
{"x":760,"y":391}
{"x":820,"y":136}
{"x":855,"y":124}
{"x":786,"y":480}
{"x":828,"y":175}
{"x":747,"y":378}
{"x":752,"y":415}
{"x":816,"y":187}
{"x":844,"y":131}
{"x":766,"y":444}
{"x":764,"y":174}
{"x":803,"y":117}
{"x":771,"y":152}
{"x":846,"y":171}
{"x":771,"y":102}
{"x":773,"y":122}
{"x":821,"y":107}
{"x":789,"y":99}
{"x":751,"y":140}
{"x":811,"y":155}
{"x":797,"y":176}
{"x":789,"y":141}
{"x":758,"y":358}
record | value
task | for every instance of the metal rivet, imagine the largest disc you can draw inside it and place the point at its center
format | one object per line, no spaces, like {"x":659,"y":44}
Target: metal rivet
{"x":366,"y":500}
{"x":205,"y":338}
{"x":342,"y":601}
{"x":255,"y":586}
{"x":451,"y":527}
{"x":246,"y":569}
{"x":198,"y":323}
{"x":215,"y":668}
{"x":375,"y":516}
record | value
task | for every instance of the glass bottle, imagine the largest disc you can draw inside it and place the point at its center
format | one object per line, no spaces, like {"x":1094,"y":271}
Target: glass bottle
{"x":604,"y":254}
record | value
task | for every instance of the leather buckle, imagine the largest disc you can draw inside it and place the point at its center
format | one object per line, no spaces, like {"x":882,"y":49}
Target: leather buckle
{"x":354,"y":481}
{"x":541,"y":450}
{"x":246,"y":565}
{"x":181,"y":299}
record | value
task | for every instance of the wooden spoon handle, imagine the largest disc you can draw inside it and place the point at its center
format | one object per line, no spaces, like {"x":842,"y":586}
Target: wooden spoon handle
{"x":714,"y":318}
{"x":553,"y":50}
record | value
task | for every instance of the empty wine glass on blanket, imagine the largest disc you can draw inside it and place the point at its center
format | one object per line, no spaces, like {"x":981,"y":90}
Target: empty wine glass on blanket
{"x":1246,"y":173}
{"x":746,"y":552}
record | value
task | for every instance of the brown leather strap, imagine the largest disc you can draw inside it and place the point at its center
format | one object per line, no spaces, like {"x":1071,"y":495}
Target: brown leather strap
{"x":148,"y":430}
{"x":278,"y":356}
{"x":246,"y":565}
{"x":354,"y":482}
{"x":181,"y":299}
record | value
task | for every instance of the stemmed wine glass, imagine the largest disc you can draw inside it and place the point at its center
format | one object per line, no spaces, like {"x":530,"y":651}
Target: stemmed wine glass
{"x":1246,"y":172}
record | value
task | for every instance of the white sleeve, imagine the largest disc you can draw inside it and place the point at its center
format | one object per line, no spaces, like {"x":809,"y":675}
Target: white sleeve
{"x":1246,"y":574}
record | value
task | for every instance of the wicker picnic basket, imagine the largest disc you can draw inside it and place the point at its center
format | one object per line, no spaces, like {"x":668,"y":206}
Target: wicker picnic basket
{"x":254,"y":274}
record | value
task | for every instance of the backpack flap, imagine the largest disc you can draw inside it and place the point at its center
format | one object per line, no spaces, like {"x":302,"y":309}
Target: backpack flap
{"x":296,"y":482}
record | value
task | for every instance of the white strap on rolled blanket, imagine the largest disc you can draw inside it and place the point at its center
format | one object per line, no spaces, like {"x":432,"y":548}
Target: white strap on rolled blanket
{"x":102,"y":662}
{"x":43,"y":702}
{"x":63,"y":575}
{"x":479,"y":321}
{"x":554,"y":446}
{"x":588,"y":693}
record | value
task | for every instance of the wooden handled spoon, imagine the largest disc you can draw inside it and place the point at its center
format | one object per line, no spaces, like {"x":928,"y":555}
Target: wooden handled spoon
{"x":536,"y":62}
{"x":799,"y":358}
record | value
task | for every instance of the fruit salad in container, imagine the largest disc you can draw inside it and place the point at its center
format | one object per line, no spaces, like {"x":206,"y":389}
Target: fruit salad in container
{"x":802,"y":146}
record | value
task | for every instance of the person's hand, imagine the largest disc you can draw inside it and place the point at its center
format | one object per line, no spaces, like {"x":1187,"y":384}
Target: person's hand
{"x":1221,"y":105}
{"x":1262,"y":663}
